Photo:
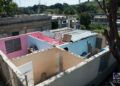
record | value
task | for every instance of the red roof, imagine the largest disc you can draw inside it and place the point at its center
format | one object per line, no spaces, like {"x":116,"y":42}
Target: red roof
{"x":40,"y":36}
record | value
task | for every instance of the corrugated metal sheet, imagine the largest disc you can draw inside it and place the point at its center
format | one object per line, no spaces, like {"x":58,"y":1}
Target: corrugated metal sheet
{"x":76,"y":34}
{"x":80,"y":34}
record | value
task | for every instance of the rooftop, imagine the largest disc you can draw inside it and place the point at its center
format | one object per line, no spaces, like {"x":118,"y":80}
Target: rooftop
{"x":80,"y":34}
{"x":52,"y":65}
{"x":23,"y":19}
{"x":75,"y":34}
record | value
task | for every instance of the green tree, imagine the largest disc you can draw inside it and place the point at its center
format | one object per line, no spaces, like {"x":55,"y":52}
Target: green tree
{"x":110,"y":8}
{"x":7,"y":7}
{"x":69,"y":11}
{"x":85,"y":19}
{"x":57,"y":7}
{"x":97,"y":27}
{"x":89,"y":7}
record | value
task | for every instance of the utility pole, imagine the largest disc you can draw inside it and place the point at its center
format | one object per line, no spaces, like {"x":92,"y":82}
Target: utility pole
{"x":78,"y":15}
{"x":79,"y":2}
{"x":19,"y":3}
{"x":39,"y":6}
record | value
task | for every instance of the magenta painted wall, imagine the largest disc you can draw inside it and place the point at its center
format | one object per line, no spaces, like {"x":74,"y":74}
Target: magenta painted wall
{"x":24,"y":45}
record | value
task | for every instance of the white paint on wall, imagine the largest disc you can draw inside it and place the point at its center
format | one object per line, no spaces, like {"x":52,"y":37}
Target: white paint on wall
{"x":41,"y":45}
{"x":26,"y":67}
{"x":27,"y":70}
{"x":79,"y":75}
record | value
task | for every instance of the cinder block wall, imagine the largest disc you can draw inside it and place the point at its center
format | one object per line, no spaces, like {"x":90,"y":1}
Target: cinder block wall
{"x":11,"y":74}
{"x":47,"y":62}
{"x":83,"y":73}
{"x":80,"y":76}
{"x":22,"y":51}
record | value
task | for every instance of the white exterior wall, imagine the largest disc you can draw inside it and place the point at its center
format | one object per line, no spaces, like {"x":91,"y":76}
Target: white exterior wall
{"x":10,"y":72}
{"x":81,"y":74}
{"x":41,"y":45}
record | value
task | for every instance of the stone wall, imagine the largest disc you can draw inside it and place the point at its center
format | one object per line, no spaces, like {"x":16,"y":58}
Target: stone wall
{"x":23,"y":25}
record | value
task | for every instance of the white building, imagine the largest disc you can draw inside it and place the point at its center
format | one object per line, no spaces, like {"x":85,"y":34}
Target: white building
{"x":55,"y":66}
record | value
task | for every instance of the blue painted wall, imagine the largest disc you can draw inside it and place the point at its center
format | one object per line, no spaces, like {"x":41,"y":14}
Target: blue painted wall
{"x":40,"y":44}
{"x":81,"y":46}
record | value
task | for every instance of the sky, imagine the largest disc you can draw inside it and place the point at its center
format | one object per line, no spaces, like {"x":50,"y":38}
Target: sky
{"x":25,"y":3}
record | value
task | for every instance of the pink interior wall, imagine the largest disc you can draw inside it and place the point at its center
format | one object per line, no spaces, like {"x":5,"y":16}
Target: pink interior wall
{"x":24,"y":45}
{"x":45,"y":38}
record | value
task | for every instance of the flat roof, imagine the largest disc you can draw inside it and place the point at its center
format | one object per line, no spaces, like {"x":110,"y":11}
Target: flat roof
{"x":75,"y":33}
{"x":23,"y":19}
{"x":80,"y":34}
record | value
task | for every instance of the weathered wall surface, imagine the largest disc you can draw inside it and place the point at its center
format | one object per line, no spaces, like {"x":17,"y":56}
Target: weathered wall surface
{"x":21,"y":52}
{"x":47,"y":62}
{"x":39,"y":43}
{"x":80,"y":76}
{"x":24,"y":24}
{"x":11,"y":74}
{"x":83,"y":73}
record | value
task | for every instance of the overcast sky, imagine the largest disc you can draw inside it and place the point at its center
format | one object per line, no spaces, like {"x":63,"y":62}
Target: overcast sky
{"x":25,"y":3}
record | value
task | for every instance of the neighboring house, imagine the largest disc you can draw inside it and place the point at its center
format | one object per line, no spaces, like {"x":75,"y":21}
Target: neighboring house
{"x":102,"y":20}
{"x":73,"y":22}
{"x":79,"y":42}
{"x":19,"y":25}
{"x":50,"y":65}
{"x":61,"y":21}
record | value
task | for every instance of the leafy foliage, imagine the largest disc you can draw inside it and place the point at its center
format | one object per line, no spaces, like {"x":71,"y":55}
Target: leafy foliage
{"x":110,"y":9}
{"x":85,"y":19}
{"x":7,"y":8}
{"x":67,"y":9}
{"x":97,"y":27}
